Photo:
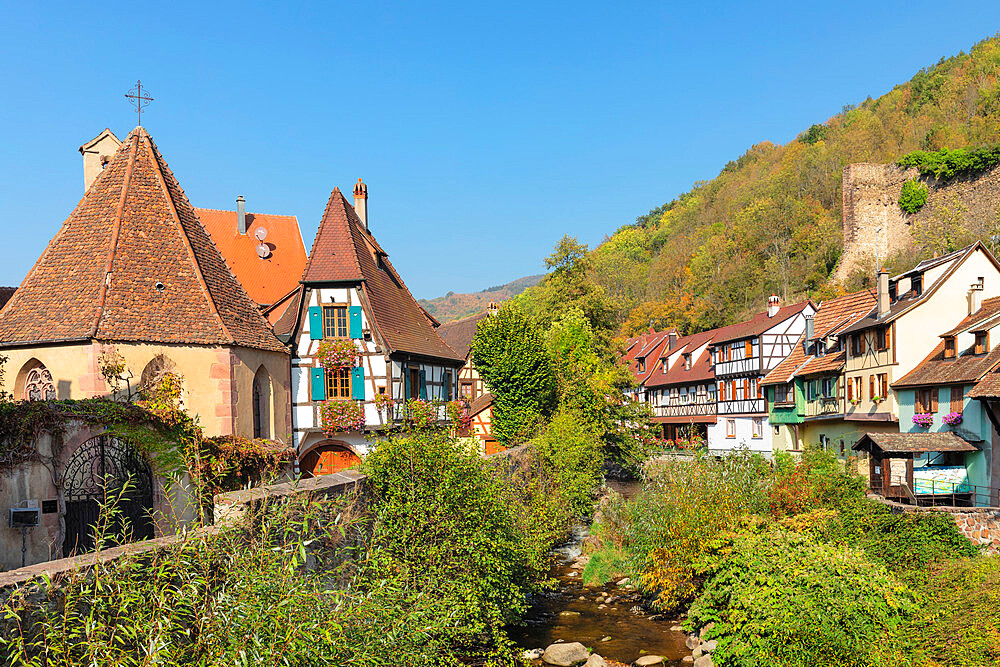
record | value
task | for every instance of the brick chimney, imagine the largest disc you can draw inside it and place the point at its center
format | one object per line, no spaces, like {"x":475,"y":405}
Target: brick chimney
{"x":773,"y":305}
{"x":361,"y":202}
{"x":883,"y":293}
{"x":241,"y":215}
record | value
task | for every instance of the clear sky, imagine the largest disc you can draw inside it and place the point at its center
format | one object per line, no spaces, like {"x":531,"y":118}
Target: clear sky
{"x":485,"y":131}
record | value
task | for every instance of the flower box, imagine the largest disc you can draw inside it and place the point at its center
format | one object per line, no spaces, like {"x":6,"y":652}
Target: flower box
{"x":923,"y":420}
{"x":338,"y":353}
{"x":341,"y":415}
{"x":952,"y":418}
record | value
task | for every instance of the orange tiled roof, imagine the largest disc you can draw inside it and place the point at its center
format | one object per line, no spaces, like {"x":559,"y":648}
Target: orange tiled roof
{"x":701,"y":366}
{"x":758,"y":324}
{"x":134,"y":263}
{"x":265,"y":280}
{"x":345,"y":251}
{"x":831,"y":316}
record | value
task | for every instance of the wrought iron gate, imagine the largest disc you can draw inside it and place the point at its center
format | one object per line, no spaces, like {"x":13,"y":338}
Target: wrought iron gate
{"x":96,"y":476}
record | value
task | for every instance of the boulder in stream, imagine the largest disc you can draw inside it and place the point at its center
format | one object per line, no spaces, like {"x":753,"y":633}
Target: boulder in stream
{"x":649,"y":661}
{"x":704,"y":661}
{"x":595,"y":661}
{"x":565,"y":655}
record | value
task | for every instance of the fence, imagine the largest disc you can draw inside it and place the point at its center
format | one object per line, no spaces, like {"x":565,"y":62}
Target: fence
{"x":945,"y":494}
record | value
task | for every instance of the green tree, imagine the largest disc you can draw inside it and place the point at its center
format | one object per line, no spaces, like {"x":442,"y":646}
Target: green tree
{"x":509,"y":353}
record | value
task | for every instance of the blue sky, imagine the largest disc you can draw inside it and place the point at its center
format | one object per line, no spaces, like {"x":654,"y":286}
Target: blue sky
{"x":485,"y":131}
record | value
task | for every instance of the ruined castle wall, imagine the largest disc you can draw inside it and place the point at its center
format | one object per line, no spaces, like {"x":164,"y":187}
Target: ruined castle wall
{"x":871,"y":202}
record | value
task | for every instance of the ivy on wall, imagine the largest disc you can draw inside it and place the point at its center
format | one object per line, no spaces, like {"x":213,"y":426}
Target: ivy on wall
{"x":913,"y":196}
{"x":947,"y":164}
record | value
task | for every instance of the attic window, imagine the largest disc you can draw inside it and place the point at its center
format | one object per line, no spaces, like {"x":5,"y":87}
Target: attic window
{"x":687,"y":362}
{"x":917,"y":284}
{"x":949,"y":347}
{"x":982,"y":342}
{"x":642,"y":364}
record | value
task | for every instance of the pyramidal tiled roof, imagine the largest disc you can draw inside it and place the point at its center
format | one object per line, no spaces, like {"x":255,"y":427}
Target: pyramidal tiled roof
{"x":134,"y":263}
{"x":345,"y":251}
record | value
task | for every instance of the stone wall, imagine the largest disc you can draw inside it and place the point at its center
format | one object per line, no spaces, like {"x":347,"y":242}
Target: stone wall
{"x":871,"y":202}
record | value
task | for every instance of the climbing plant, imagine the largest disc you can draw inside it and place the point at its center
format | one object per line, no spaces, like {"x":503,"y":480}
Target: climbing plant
{"x":913,"y":196}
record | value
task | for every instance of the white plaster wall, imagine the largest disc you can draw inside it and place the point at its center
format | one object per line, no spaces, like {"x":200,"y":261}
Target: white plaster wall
{"x":719,"y":443}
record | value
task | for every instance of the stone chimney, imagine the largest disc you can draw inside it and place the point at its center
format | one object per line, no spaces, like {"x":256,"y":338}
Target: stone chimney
{"x":773,"y":305}
{"x":241,"y":215}
{"x":361,"y":202}
{"x":96,"y":154}
{"x":883,"y":293}
{"x":809,"y":332}
{"x":976,"y":296}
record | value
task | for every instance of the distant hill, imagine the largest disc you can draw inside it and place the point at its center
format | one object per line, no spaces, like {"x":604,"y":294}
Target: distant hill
{"x":453,"y":306}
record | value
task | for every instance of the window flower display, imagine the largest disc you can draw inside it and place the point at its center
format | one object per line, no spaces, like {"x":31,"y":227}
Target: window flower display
{"x":923,"y":420}
{"x":338,"y":353}
{"x":342,"y":415}
{"x":953,"y":418}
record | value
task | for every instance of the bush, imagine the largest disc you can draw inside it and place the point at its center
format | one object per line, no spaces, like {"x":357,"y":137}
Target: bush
{"x":947,"y":164}
{"x":571,"y":453}
{"x":905,"y":541}
{"x":913,"y":196}
{"x":780,"y":598}
{"x":440,"y":523}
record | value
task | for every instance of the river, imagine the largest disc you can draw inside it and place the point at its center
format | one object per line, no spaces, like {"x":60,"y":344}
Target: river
{"x":622,"y":631}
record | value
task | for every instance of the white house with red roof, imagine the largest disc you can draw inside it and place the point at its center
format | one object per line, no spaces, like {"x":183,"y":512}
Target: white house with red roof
{"x":742,"y":355}
{"x":361,"y":345}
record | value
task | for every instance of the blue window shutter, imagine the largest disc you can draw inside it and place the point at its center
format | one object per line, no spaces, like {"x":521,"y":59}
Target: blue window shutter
{"x":315,"y":323}
{"x":423,"y":384}
{"x":318,"y":381}
{"x":355,"y":320}
{"x":358,"y":383}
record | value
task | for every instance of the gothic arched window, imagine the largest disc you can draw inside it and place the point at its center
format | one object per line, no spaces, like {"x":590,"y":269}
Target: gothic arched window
{"x":38,"y":385}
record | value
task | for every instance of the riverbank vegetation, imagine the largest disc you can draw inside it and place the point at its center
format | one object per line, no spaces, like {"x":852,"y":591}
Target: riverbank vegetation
{"x":794,"y":565}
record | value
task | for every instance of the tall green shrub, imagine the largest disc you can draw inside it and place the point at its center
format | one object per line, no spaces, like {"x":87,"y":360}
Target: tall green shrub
{"x":509,"y":353}
{"x":913,"y":196}
{"x":571,"y":452}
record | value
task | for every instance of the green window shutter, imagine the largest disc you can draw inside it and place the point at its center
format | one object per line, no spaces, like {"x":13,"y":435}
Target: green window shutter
{"x":423,"y":384}
{"x":358,"y":383}
{"x":354,"y":313}
{"x":318,"y":381}
{"x":315,"y":323}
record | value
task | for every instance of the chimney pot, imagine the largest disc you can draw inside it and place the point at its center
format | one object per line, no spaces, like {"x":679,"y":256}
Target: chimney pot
{"x":773,"y":305}
{"x":671,"y":340}
{"x":883,"y":293}
{"x":361,"y":202}
{"x":241,"y":215}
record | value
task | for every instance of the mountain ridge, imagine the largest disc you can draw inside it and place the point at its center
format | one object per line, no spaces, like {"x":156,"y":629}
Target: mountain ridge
{"x":454,"y":306}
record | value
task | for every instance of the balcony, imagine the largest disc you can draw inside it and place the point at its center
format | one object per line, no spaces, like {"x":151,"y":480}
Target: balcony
{"x":824,"y":405}
{"x":685,"y":410}
{"x":749,"y":366}
{"x":742,"y":406}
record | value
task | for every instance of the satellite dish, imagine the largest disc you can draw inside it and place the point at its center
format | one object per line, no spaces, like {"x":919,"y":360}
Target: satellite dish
{"x":261,"y":233}
{"x":263,"y":251}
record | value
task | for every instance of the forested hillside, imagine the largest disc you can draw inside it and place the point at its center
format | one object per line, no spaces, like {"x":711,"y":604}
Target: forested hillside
{"x":454,"y":306}
{"x":771,"y":220}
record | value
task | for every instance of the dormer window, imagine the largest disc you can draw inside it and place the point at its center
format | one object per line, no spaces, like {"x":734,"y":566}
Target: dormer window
{"x":892,"y":291}
{"x":949,"y":347}
{"x":917,"y":284}
{"x":982,"y":342}
{"x":687,"y":362}
{"x":642,"y":365}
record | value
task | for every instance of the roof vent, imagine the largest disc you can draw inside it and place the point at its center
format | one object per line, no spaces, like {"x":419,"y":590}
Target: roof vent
{"x":241,"y":215}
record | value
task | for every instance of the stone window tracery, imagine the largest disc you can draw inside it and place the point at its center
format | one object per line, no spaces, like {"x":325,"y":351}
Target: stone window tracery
{"x":39,"y":386}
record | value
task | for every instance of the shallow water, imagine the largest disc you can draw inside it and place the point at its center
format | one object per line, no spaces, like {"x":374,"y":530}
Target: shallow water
{"x":629,"y":629}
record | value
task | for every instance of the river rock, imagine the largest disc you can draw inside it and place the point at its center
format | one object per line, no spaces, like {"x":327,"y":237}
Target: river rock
{"x":565,"y":655}
{"x":595,"y":661}
{"x":709,"y":646}
{"x":704,"y":661}
{"x":569,"y":613}
{"x":692,"y":642}
{"x":623,"y":582}
{"x":649,"y":661}
{"x":687,"y":658}
{"x":676,"y":628}
{"x":705,"y":630}
{"x":605,"y":639}
{"x":697,"y":652}
{"x":533,"y":654}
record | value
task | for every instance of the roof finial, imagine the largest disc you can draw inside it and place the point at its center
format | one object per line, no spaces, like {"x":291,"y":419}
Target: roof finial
{"x":137,"y":99}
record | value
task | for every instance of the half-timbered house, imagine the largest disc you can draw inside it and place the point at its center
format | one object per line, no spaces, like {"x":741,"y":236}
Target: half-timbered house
{"x":641,"y":356}
{"x":351,"y":298}
{"x":742,"y":355}
{"x":805,"y":392}
{"x":472,"y":388}
{"x":680,"y":387}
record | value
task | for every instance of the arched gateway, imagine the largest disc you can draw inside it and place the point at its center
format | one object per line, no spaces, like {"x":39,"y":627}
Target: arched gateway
{"x":328,"y":458}
{"x":96,"y":475}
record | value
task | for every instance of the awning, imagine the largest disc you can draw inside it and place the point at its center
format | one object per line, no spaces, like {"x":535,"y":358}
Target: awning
{"x":913,"y":443}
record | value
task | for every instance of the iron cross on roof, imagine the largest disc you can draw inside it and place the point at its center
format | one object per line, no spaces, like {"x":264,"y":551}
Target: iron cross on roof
{"x":137,"y":99}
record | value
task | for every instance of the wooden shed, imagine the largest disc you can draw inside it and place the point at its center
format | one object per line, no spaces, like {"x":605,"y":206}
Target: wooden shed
{"x":891,"y":464}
